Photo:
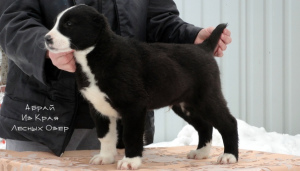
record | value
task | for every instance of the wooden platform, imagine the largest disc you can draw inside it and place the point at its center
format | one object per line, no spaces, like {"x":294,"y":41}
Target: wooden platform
{"x":172,"y":158}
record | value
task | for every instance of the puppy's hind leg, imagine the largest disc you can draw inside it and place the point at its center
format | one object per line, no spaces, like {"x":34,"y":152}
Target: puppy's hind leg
{"x":107,"y":135}
{"x":217,"y":113}
{"x":203,"y":128}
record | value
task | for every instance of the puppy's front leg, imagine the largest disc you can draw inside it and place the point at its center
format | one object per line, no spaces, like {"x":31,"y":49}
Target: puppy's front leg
{"x":133,"y":129}
{"x":107,"y":134}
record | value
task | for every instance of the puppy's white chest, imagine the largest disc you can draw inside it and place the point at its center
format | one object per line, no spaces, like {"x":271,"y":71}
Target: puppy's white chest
{"x":99,"y":100}
{"x":93,"y":93}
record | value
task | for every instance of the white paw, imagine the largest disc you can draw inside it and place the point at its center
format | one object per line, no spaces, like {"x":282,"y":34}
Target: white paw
{"x":101,"y":159}
{"x":129,"y":163}
{"x":201,"y":153}
{"x":227,"y":159}
{"x":197,"y":154}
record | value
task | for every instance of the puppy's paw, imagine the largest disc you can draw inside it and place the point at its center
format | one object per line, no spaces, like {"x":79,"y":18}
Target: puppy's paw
{"x":102,"y":159}
{"x":202,"y":153}
{"x":227,"y":159}
{"x":197,"y":154}
{"x":129,"y":163}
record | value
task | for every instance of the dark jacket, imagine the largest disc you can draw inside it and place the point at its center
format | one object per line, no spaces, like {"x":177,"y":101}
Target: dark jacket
{"x":42,"y":102}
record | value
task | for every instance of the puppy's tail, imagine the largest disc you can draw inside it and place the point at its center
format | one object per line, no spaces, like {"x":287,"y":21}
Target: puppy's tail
{"x":211,"y":42}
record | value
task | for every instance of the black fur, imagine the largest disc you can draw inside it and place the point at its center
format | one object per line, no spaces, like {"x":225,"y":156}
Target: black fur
{"x":139,"y":76}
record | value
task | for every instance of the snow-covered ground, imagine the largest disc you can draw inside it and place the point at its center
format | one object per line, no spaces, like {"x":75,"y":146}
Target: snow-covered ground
{"x":250,"y":137}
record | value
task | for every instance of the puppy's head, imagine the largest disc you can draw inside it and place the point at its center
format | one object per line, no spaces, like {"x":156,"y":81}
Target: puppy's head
{"x":76,"y":28}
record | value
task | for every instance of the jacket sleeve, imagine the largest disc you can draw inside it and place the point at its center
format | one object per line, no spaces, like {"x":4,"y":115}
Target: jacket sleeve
{"x":22,"y":34}
{"x":165,"y":25}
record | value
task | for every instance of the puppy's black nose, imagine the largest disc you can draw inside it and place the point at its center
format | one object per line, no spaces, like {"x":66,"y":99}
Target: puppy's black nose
{"x":48,"y":39}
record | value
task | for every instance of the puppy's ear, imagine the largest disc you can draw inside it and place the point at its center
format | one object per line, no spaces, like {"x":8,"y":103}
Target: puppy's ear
{"x":100,"y":21}
{"x":98,"y":18}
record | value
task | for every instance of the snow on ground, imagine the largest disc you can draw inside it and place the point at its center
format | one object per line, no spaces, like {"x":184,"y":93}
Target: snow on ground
{"x":250,"y":137}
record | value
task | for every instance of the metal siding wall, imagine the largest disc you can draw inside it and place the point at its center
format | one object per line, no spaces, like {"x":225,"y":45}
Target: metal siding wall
{"x":292,"y":8}
{"x":260,"y":70}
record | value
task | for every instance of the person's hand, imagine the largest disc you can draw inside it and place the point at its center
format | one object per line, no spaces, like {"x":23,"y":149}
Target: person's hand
{"x":64,"y":61}
{"x":225,"y":39}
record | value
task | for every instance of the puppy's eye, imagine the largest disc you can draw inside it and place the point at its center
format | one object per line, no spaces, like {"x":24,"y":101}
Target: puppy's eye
{"x":69,"y":23}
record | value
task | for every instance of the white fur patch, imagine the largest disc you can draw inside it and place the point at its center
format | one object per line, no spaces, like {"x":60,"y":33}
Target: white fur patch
{"x":107,"y":146}
{"x":201,"y":153}
{"x":92,"y":92}
{"x":61,"y":43}
{"x":182,"y":106}
{"x":227,"y":159}
{"x":129,"y":163}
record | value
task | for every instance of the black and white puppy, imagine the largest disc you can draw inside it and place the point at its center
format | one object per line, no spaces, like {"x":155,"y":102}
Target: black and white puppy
{"x":123,"y":78}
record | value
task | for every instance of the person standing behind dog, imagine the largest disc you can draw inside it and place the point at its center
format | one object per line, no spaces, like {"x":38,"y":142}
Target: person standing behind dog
{"x":42,"y":109}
